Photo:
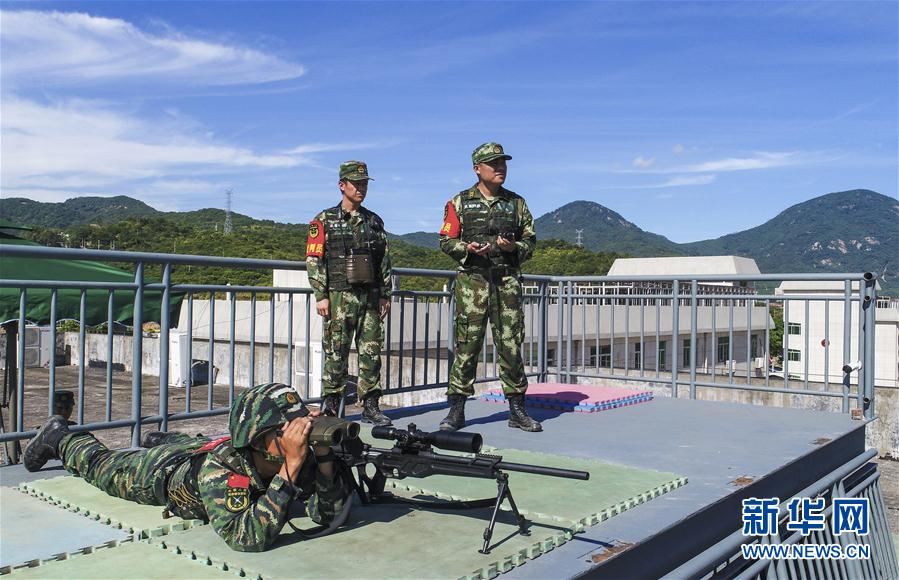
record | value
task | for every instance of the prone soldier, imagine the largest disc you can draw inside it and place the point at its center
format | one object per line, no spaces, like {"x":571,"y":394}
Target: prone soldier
{"x":489,"y":231}
{"x":349,"y":270}
{"x":243,"y":484}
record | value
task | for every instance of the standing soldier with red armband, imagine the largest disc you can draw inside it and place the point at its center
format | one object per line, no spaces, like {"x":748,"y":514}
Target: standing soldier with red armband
{"x":349,"y":270}
{"x":489,"y":231}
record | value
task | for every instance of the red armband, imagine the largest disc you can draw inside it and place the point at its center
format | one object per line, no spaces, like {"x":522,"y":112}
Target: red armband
{"x":451,"y":225}
{"x":315,"y":245}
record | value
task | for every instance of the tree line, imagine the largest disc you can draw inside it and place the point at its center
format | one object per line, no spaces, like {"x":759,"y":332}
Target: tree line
{"x":278,"y":241}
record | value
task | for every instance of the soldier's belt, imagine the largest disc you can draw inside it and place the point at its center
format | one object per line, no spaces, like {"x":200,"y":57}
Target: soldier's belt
{"x":494,"y":272}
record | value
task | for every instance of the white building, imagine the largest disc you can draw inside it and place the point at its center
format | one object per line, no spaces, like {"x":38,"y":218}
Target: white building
{"x":620,"y":325}
{"x":813,"y":333}
{"x":635,"y":333}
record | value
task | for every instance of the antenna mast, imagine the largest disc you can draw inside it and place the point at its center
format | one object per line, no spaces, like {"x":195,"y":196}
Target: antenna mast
{"x":229,"y":227}
{"x":579,"y":243}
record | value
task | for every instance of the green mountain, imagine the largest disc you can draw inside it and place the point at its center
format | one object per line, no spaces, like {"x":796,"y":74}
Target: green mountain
{"x":72,"y":212}
{"x":603,"y":230}
{"x":849,"y":231}
{"x":423,"y":239}
{"x":846,"y":231}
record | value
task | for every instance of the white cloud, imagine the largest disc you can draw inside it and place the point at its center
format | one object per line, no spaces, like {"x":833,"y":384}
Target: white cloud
{"x":643,"y":162}
{"x":311,"y":148}
{"x":761,"y":160}
{"x":688,"y":180}
{"x":677,"y":181}
{"x":93,"y":143}
{"x":73,"y":48}
{"x":81,"y":145}
{"x":678,"y":149}
{"x":753,"y":161}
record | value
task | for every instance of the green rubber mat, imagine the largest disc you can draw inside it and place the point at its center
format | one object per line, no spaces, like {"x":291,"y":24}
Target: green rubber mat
{"x":128,"y":560}
{"x":60,"y":531}
{"x":75,"y":494}
{"x":448,"y":539}
{"x":383,"y":541}
{"x":610,"y":490}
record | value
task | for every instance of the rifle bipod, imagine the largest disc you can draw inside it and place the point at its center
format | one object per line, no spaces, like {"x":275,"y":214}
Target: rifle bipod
{"x":503,"y":492}
{"x":371,"y":490}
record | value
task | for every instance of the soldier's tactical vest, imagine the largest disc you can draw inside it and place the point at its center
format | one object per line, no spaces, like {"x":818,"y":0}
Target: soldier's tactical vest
{"x":482,"y":223}
{"x":340,"y":238}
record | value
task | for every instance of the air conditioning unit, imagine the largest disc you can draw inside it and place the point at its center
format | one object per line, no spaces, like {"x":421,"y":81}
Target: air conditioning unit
{"x":314,"y":372}
{"x":38,"y":347}
{"x":32,"y":337}
{"x":759,"y":362}
{"x":179,"y":359}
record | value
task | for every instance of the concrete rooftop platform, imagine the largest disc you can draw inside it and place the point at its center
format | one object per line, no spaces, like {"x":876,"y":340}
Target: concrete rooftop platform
{"x":725,"y":451}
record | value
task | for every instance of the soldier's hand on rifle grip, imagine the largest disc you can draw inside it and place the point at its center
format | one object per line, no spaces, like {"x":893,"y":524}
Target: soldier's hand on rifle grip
{"x":323,"y":307}
{"x":505,"y":245}
{"x":384,"y":307}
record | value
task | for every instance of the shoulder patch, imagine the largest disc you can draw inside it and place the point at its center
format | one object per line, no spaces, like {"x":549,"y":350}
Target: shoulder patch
{"x":315,"y":244}
{"x":237,"y":496}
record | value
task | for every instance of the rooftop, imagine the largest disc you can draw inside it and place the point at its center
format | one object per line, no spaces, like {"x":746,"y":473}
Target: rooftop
{"x":699,"y":449}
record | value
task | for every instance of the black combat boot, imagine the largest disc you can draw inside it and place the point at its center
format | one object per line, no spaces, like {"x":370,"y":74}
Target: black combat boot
{"x":455,"y":419}
{"x":371,"y":412}
{"x":331,"y":405}
{"x":45,"y":445}
{"x":518,"y":415}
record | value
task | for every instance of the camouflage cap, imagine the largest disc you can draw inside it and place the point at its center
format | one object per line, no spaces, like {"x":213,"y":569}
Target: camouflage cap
{"x":488,"y":152}
{"x":354,"y":171}
{"x":261,"y":408}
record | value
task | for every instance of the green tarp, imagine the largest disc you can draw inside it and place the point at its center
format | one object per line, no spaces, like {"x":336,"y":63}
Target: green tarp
{"x":68,"y":301}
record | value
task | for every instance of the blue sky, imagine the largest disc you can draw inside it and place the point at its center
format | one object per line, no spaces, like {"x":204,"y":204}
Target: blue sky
{"x":692,"y":120}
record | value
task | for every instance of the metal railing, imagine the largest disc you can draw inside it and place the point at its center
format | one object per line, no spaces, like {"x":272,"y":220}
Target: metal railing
{"x":857,"y":478}
{"x":699,"y":332}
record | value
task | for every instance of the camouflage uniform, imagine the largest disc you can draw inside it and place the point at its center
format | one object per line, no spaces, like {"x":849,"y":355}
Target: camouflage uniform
{"x":488,"y":288}
{"x":210,"y":480}
{"x":355,"y":310}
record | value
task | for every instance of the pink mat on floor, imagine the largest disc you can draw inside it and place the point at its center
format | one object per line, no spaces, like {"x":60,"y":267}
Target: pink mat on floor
{"x":584,"y":398}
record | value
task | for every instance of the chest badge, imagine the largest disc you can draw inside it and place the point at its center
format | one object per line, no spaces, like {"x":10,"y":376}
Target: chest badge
{"x":237,"y":496}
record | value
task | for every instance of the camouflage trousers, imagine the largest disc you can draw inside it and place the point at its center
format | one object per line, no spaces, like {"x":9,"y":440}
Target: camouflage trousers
{"x":354,"y":314}
{"x":479,"y":300}
{"x":136,"y":475}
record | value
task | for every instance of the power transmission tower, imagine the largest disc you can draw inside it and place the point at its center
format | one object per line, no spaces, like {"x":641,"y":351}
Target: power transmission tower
{"x":579,"y":243}
{"x":228,"y":225}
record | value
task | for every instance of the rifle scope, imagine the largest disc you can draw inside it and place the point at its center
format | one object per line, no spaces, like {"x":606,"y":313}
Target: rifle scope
{"x":413,"y":437}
